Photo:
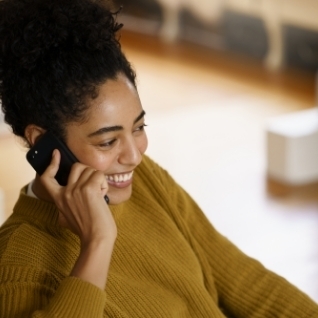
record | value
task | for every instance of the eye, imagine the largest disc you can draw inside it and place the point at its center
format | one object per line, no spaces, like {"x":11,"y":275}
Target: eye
{"x":107,"y":144}
{"x":141,"y":127}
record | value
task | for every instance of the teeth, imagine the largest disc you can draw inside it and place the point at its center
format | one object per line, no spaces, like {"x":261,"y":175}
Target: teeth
{"x":120,"y":177}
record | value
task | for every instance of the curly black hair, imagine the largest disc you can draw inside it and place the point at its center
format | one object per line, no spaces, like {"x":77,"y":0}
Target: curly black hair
{"x":54,"y":55}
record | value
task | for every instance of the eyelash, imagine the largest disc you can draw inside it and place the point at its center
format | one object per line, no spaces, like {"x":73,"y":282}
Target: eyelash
{"x":108,"y":144}
{"x":142,"y":127}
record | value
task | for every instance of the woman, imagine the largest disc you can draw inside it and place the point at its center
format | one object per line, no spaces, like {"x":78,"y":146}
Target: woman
{"x":64,"y":252}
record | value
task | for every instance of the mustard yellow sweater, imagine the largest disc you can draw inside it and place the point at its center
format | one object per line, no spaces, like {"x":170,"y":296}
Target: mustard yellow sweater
{"x":168,"y":261}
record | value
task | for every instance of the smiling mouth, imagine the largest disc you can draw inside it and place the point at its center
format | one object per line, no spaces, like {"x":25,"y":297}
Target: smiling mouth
{"x":119,"y":178}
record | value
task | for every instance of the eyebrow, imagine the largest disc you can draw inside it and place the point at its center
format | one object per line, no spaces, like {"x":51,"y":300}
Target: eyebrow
{"x":114,"y":128}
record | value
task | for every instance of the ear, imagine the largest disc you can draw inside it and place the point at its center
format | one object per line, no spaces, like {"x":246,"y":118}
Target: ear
{"x":32,"y":133}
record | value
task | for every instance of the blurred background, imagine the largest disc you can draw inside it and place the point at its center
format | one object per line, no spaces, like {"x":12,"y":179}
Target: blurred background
{"x":279,"y":32}
{"x":229,"y":88}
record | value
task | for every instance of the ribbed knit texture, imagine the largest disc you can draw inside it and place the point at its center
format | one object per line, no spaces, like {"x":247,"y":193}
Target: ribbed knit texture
{"x":168,"y":261}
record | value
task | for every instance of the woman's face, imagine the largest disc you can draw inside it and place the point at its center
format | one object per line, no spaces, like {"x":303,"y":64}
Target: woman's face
{"x":112,"y":139}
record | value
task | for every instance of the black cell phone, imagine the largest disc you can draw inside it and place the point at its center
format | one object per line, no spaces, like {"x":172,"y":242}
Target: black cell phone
{"x":40,"y":156}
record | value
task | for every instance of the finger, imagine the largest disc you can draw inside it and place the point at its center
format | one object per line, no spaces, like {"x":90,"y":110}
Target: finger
{"x":105,"y":188}
{"x":100,"y":179}
{"x":104,"y":185}
{"x":48,"y":177}
{"x":76,"y":172}
{"x":94,"y":178}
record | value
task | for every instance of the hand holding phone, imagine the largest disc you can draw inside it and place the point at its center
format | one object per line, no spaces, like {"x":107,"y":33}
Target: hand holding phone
{"x":40,"y":156}
{"x":83,"y":211}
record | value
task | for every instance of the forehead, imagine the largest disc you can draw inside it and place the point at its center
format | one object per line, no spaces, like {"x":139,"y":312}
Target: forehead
{"x":115,"y":91}
{"x":117,"y":103}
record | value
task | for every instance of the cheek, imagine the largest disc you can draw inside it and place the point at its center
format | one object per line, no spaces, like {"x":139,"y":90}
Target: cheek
{"x":98,"y":160}
{"x":143,"y":144}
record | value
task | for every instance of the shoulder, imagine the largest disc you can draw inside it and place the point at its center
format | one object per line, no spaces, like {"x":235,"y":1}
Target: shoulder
{"x":25,"y":244}
{"x":147,"y":164}
{"x":152,"y":181}
{"x":149,"y":175}
{"x":152,"y":171}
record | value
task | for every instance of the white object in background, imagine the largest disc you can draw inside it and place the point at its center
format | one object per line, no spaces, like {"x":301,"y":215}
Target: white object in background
{"x":2,"y":216}
{"x":292,"y":147}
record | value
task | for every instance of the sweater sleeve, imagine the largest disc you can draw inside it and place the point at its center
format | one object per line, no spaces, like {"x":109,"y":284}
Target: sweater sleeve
{"x":74,"y":298}
{"x":245,"y":288}
{"x":22,"y":296}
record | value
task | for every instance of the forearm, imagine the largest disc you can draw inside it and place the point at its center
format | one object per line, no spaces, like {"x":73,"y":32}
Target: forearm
{"x":93,"y":262}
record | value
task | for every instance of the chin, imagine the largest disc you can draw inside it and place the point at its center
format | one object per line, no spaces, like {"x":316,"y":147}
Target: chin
{"x":119,"y":196}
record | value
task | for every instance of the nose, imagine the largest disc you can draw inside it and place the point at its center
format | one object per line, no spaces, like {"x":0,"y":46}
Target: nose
{"x":130,"y":154}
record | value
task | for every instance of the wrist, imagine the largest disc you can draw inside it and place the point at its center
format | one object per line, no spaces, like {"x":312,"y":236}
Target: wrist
{"x":98,"y":241}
